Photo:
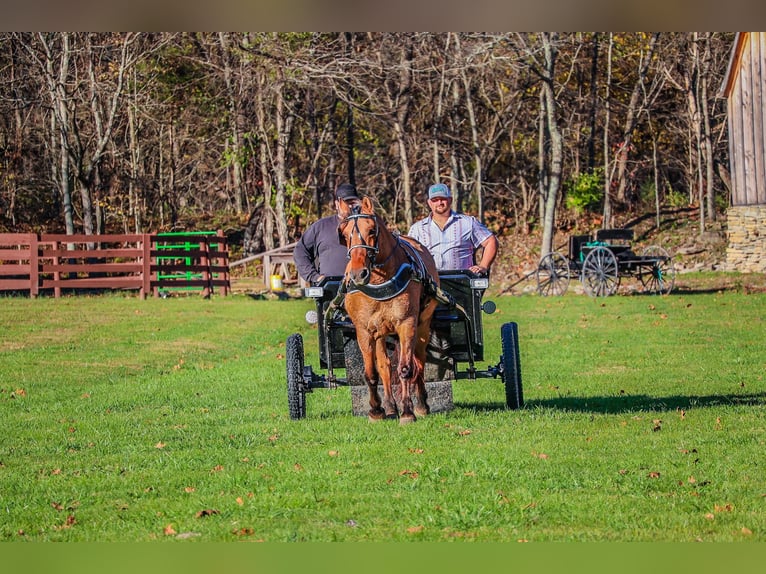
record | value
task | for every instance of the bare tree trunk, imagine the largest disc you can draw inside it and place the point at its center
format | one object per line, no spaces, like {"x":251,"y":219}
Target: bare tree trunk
{"x":556,"y":142}
{"x":264,"y":162}
{"x":400,"y":102}
{"x":630,"y":120}
{"x":477,"y":174}
{"x":235,"y":162}
{"x":56,"y":81}
{"x":284,"y":127}
{"x":607,"y":223}
{"x":707,"y":136}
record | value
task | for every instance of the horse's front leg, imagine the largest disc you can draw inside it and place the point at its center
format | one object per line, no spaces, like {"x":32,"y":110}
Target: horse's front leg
{"x":366,"y":343}
{"x":384,"y":372}
{"x":409,"y":370}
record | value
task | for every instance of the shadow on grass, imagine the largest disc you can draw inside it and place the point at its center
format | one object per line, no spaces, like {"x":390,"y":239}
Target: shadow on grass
{"x":626,"y":403}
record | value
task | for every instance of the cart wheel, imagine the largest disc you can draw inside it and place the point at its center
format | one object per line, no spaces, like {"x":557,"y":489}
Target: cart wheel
{"x":600,"y":274}
{"x":553,"y":274}
{"x":661,"y":276}
{"x":510,"y":364}
{"x":296,"y":391}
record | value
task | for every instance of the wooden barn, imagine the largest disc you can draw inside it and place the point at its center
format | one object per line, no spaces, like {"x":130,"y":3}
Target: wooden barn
{"x":744,"y":87}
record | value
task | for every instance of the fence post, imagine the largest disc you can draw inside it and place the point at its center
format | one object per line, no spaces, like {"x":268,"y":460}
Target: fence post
{"x":146,"y":265}
{"x":227,"y":277}
{"x":34,"y":267}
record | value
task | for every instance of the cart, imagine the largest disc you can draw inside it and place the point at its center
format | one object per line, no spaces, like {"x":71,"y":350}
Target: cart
{"x":455,"y":348}
{"x":600,"y":260}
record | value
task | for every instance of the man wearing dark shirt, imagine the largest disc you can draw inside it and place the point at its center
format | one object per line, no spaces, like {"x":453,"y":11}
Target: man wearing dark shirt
{"x":319,"y":253}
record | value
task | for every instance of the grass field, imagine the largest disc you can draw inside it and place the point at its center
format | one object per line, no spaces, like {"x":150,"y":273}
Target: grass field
{"x":130,"y":420}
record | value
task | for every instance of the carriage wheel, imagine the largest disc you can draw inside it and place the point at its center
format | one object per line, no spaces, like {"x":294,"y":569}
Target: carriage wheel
{"x":661,"y":276}
{"x":600,"y":273}
{"x":510,"y":364}
{"x":553,"y":274}
{"x":296,"y":390}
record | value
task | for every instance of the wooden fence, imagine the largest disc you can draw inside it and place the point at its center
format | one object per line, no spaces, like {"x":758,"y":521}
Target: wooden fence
{"x":148,"y":263}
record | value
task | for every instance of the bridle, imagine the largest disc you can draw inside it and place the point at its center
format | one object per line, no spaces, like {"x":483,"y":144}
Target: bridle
{"x":372,"y":250}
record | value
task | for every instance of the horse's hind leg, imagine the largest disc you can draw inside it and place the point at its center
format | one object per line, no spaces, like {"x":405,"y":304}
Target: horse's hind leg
{"x":423,"y":336}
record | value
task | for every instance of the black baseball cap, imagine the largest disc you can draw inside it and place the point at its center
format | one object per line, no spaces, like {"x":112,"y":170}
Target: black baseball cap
{"x":346,"y":191}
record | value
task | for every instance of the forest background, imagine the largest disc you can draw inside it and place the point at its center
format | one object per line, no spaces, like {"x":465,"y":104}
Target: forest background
{"x":251,"y":132}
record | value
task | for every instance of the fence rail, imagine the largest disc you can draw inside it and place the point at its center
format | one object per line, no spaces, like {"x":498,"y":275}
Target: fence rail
{"x":148,"y":263}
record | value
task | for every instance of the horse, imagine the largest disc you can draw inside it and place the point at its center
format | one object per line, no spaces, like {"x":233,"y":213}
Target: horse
{"x":391,"y":284}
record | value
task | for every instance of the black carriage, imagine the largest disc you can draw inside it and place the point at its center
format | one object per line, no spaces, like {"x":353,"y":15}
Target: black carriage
{"x":600,"y":260}
{"x":456,"y":346}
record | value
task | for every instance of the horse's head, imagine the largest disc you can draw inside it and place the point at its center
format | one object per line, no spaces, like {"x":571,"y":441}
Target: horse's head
{"x":358,"y":231}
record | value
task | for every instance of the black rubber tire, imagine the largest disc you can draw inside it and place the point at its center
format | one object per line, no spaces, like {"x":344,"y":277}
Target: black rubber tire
{"x":511,"y":365}
{"x":296,"y":391}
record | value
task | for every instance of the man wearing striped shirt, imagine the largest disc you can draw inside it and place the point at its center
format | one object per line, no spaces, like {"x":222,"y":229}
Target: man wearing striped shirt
{"x":453,"y":238}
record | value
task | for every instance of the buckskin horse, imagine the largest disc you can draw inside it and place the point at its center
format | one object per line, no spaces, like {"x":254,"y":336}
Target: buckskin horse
{"x":392,"y":288}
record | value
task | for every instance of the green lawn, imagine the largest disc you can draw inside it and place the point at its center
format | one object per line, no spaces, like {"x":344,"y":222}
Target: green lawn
{"x":130,"y":420}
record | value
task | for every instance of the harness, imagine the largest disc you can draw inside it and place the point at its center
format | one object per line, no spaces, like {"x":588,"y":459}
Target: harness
{"x":414,"y":269}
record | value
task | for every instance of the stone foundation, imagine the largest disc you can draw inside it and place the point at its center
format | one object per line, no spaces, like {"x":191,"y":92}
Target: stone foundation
{"x":439,"y":397}
{"x":746,"y":250}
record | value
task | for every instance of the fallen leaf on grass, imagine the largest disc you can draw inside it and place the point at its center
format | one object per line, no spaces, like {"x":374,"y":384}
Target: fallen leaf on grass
{"x":159,"y":445}
{"x":169,"y":531}
{"x":415,"y":529}
{"x":189,"y":489}
{"x":216,"y":468}
{"x":710,"y":516}
{"x":657,"y":425}
{"x":746,"y":531}
{"x":728,"y":507}
{"x":332,"y":453}
{"x":653,"y":474}
{"x":409,"y":473}
{"x":416,"y":450}
{"x":206,"y":512}
{"x":465,"y":432}
{"x":240,"y":501}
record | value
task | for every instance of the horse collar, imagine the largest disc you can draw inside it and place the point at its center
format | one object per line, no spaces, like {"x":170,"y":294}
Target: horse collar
{"x":389,"y":289}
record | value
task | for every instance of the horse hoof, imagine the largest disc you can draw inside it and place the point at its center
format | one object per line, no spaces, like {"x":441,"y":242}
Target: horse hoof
{"x":375,"y":416}
{"x":407,"y":419}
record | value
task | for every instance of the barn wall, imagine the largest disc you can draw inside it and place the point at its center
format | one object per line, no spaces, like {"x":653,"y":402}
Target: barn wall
{"x":746,"y":218}
{"x":747,"y":122}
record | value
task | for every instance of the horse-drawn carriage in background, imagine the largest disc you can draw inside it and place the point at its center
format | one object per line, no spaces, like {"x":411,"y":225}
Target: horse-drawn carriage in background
{"x":600,"y":260}
{"x":457,"y":340}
